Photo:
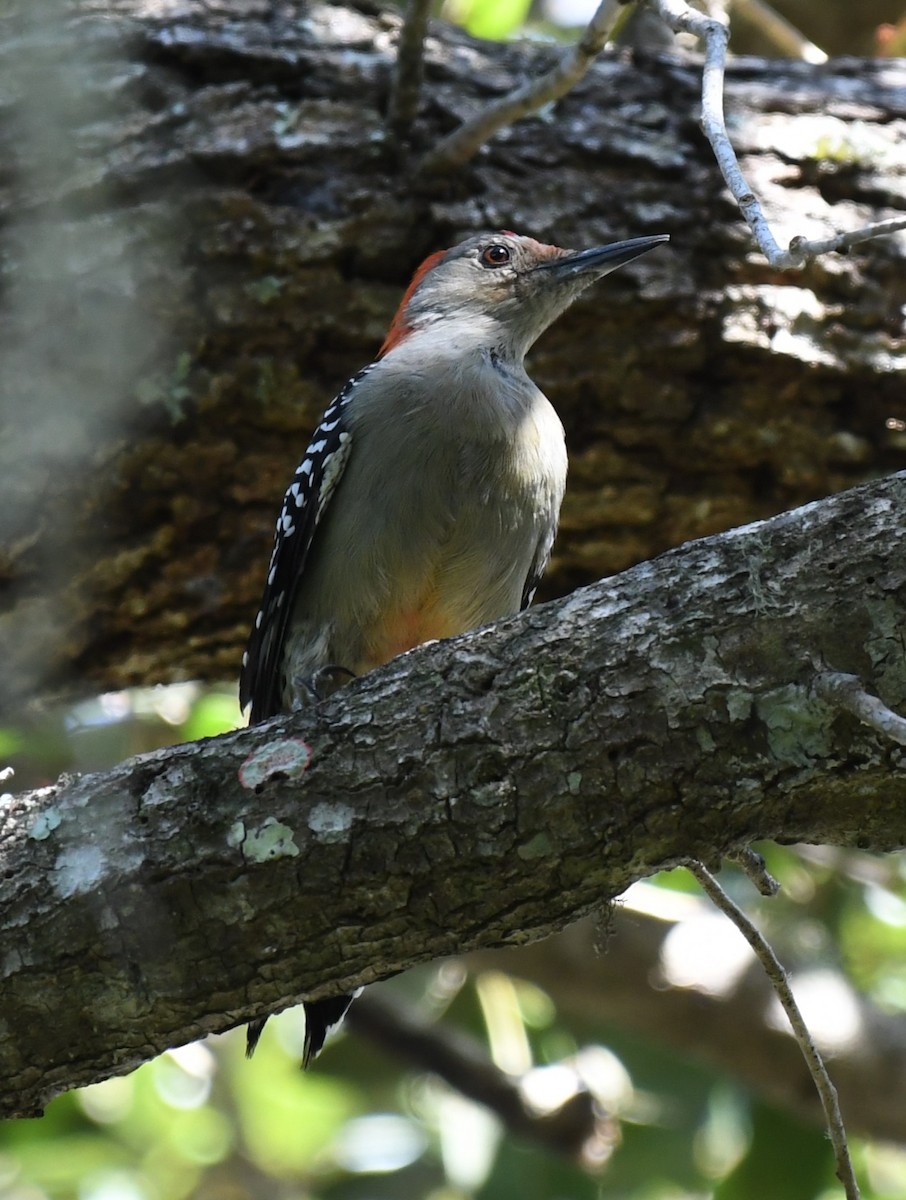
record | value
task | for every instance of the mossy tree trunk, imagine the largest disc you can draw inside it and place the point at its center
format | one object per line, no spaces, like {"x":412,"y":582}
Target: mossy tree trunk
{"x":206,"y":229}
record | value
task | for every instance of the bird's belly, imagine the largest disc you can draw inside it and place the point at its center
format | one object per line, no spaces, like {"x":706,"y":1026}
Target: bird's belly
{"x":435,"y":549}
{"x":401,"y":627}
{"x":474,"y":576}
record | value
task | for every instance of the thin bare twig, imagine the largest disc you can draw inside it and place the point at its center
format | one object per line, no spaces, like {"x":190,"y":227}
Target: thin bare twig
{"x":754,"y":866}
{"x":463,"y":143}
{"x":779,"y":31}
{"x":683,"y":19}
{"x":781,"y":984}
{"x":409,"y":67}
{"x":842,"y":241}
{"x":847,"y":692}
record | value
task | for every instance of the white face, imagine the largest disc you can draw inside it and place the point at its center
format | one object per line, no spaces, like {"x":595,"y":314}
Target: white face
{"x":500,"y":291}
{"x":488,"y":265}
{"x":494,"y":278}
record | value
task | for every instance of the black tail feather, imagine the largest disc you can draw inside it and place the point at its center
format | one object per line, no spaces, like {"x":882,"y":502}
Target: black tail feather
{"x":320,"y":1017}
{"x":253,"y":1032}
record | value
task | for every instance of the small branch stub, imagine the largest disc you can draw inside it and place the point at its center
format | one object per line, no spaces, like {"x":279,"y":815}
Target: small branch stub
{"x":846,"y":692}
{"x":756,"y":869}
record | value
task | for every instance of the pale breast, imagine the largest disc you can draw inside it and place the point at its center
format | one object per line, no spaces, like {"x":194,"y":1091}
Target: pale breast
{"x":436,"y":524}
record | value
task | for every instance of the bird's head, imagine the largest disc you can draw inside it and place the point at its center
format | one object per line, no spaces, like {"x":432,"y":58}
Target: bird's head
{"x":504,"y":287}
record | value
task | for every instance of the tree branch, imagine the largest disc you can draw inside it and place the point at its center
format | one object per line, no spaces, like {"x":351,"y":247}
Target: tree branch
{"x":715,"y":35}
{"x":845,"y":691}
{"x":410,"y":68}
{"x":781,"y":983}
{"x":480,"y":791}
{"x":779,"y":31}
{"x":458,"y":147}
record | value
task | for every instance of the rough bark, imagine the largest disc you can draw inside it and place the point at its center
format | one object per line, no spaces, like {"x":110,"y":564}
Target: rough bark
{"x":206,"y":228}
{"x":481,"y":791}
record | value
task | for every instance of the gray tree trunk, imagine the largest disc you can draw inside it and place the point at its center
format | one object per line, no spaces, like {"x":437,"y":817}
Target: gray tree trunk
{"x":205,"y":230}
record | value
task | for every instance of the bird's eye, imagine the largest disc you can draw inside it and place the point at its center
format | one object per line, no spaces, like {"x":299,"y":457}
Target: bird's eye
{"x":495,"y":255}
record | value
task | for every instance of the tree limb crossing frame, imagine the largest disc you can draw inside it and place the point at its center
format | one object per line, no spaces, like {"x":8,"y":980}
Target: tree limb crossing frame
{"x":475,"y":792}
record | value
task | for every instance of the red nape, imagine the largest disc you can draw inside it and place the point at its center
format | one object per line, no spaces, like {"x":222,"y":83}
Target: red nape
{"x":398,"y":326}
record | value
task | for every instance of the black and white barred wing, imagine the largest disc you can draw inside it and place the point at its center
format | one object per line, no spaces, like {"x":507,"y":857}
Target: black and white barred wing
{"x":316,"y":477}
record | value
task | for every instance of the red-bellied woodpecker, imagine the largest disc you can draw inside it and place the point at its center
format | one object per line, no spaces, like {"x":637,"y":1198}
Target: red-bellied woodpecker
{"x":427,"y":502}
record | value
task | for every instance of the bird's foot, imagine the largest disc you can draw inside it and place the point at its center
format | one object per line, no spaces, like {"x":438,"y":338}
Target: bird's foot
{"x":327,"y":680}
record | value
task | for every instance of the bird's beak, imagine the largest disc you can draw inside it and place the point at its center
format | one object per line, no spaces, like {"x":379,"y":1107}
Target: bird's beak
{"x":600,"y":259}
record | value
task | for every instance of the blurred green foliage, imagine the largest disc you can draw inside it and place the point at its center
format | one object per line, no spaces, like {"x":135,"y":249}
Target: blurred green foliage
{"x":492,"y":19}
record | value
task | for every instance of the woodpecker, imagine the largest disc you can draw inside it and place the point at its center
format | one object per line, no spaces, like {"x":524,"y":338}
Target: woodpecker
{"x":428,"y":499}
